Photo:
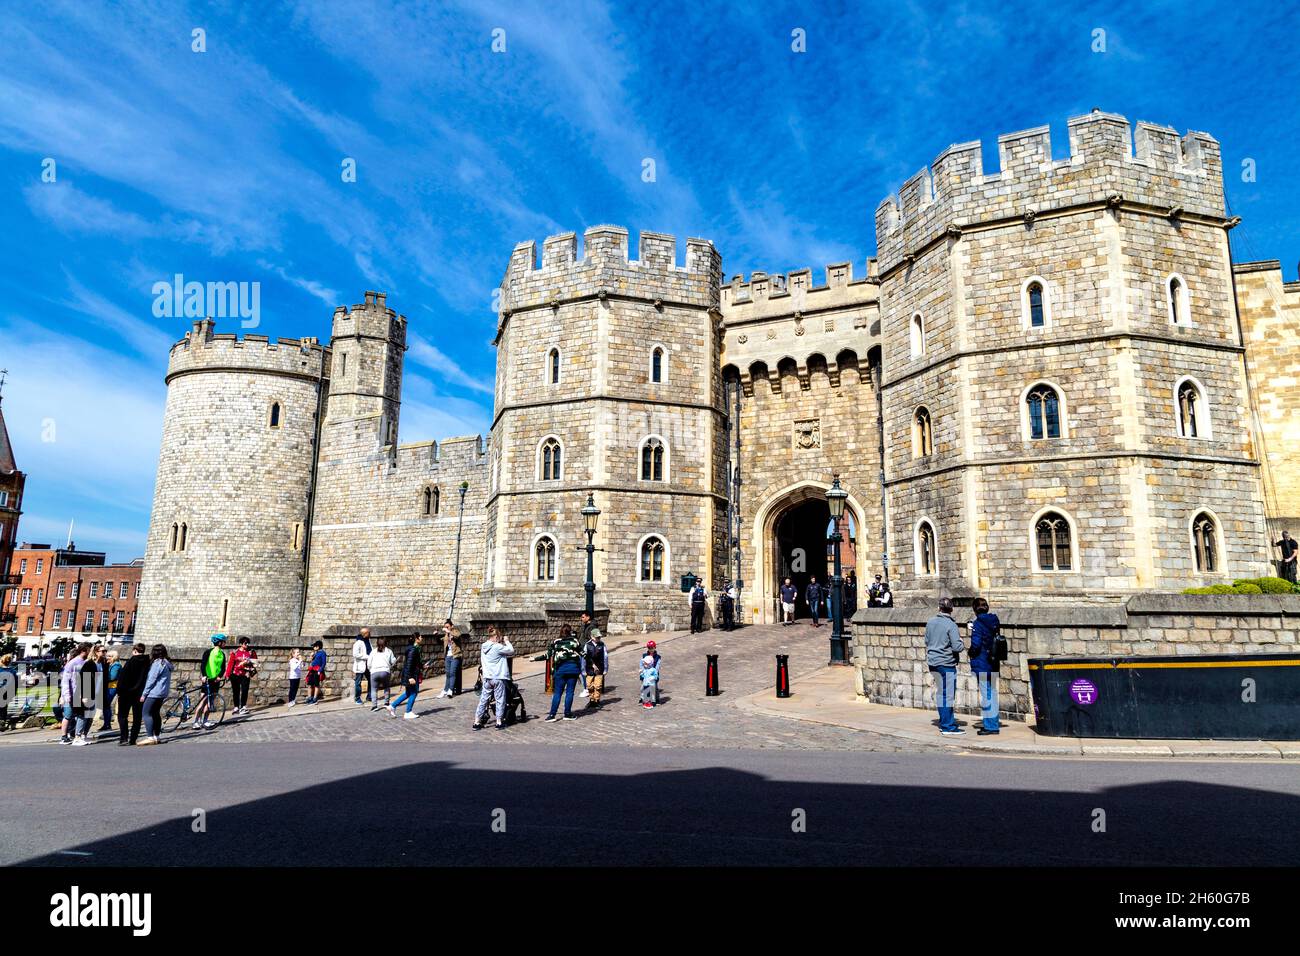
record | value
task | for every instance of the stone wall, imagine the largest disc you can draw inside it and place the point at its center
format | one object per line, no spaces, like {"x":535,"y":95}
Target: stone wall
{"x":1270,"y":323}
{"x":888,"y":646}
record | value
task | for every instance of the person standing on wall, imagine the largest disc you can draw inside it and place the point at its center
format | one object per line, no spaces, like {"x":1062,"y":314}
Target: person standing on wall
{"x":361,"y":667}
{"x":412,"y":674}
{"x":239,"y":671}
{"x":157,"y":687}
{"x":1288,"y":563}
{"x":813,"y":595}
{"x":494,"y":672}
{"x":984,"y":660}
{"x":942,"y":649}
{"x":453,"y":655}
{"x":699,"y":602}
{"x":788,"y":596}
{"x":130,"y":695}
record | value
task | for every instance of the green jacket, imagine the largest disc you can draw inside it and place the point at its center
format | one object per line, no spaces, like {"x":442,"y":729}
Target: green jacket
{"x":214,"y":663}
{"x":565,"y":651}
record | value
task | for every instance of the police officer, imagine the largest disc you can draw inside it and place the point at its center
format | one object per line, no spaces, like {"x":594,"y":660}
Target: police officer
{"x":699,"y":599}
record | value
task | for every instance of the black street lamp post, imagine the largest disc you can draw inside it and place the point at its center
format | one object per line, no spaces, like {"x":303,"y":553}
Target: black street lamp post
{"x":835,"y":498}
{"x":590,"y":515}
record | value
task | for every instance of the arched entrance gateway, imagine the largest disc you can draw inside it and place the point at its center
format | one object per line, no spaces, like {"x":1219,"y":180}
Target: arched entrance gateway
{"x":791,"y":534}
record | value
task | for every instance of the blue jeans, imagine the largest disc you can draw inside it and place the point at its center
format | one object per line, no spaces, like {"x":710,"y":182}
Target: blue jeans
{"x":356,"y":687}
{"x":453,"y":671}
{"x":408,"y":696}
{"x":988,"y":687}
{"x":564,"y":679}
{"x":945,"y":695}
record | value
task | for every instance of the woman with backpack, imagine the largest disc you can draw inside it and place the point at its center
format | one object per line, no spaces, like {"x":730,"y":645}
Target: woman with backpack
{"x":987,"y":651}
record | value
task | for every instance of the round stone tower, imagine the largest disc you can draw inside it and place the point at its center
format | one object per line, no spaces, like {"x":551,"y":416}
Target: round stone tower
{"x":231,"y":507}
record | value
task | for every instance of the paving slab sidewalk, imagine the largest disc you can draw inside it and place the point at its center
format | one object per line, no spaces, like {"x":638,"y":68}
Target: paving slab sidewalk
{"x":827,"y":696}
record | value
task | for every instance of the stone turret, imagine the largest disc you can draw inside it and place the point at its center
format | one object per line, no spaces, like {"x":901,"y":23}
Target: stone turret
{"x":227,"y":535}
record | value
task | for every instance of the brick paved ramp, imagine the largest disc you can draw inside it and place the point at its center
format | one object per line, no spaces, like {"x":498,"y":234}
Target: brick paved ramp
{"x":685,"y":718}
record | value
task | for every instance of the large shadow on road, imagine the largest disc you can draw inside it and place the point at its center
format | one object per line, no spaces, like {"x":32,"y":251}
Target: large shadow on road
{"x":439,"y":813}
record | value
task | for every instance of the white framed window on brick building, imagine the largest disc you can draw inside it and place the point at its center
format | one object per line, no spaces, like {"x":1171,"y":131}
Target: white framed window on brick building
{"x":654,"y":459}
{"x":1035,"y":303}
{"x":89,"y":622}
{"x":1207,"y":543}
{"x":40,"y":565}
{"x":94,"y":589}
{"x":550,"y":459}
{"x":58,"y":619}
{"x":1178,"y":302}
{"x":124,"y":591}
{"x":62,"y":590}
{"x":545,"y":559}
{"x":925,"y":548}
{"x":1191,"y":408}
{"x":917,"y":332}
{"x":1053,"y":542}
{"x":652,"y":559}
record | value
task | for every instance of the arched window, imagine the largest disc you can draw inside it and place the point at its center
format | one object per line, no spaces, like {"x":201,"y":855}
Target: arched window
{"x":1193,"y":417}
{"x":296,"y":538}
{"x":551,"y":460}
{"x":918,"y":336}
{"x":1205,"y":543}
{"x":922,"y":433}
{"x":652,"y":460}
{"x":657,"y":364}
{"x":652,"y":559}
{"x":553,"y":367}
{"x":185,"y":534}
{"x":927,"y":554}
{"x":175,"y":537}
{"x":1177,"y":301}
{"x":544,"y":559}
{"x":430,"y":500}
{"x":1036,"y":316}
{"x":274,"y":419}
{"x":1053,"y":544}
{"x":1044,"y":407}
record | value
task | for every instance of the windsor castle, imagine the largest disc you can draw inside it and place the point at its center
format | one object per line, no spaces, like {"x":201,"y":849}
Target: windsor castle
{"x":1052,"y":383}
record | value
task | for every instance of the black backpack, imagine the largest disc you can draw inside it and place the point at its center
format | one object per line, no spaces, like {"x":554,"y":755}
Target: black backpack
{"x":999,"y":650}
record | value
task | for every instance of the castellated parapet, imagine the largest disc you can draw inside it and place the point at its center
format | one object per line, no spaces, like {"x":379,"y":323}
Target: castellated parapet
{"x":605,"y":269}
{"x":1183,"y":175}
{"x":227,"y":531}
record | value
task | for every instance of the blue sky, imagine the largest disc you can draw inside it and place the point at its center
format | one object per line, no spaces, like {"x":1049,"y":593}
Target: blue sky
{"x":225,"y":166}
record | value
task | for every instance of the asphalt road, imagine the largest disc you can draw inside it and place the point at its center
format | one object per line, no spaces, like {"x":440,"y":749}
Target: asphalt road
{"x":269,"y":804}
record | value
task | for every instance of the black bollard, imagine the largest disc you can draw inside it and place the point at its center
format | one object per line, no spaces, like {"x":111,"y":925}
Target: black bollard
{"x":711,"y":676}
{"x":456,"y":689}
{"x":782,"y":675}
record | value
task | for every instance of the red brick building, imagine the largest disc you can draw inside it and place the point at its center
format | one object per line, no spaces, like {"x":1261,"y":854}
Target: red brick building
{"x":12,"y":482}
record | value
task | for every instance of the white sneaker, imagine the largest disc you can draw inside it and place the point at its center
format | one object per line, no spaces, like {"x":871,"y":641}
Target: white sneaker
{"x":410,"y":715}
{"x":80,"y":742}
{"x":391,"y":711}
{"x":585,"y":694}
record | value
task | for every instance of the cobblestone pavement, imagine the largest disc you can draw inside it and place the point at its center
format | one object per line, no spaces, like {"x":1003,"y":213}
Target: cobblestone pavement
{"x":685,"y":717}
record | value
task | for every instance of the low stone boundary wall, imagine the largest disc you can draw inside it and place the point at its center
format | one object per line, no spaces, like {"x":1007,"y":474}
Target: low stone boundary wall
{"x":530,"y":631}
{"x":888,"y":645}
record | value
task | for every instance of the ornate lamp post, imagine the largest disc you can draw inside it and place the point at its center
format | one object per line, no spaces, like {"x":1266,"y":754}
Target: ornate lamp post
{"x":835,"y":498}
{"x":590,"y":515}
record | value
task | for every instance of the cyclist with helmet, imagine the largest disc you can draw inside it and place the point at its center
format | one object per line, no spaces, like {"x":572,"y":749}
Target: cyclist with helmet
{"x":211,"y":669}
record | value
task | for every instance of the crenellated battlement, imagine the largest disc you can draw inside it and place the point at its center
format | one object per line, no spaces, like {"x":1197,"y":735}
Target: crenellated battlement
{"x":440,"y":457}
{"x":606,"y":269}
{"x":204,"y":349}
{"x":371,"y":318}
{"x":1108,"y":162}
{"x":795,"y":290}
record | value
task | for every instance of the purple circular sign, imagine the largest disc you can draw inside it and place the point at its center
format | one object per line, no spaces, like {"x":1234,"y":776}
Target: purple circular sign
{"x":1083,"y":691}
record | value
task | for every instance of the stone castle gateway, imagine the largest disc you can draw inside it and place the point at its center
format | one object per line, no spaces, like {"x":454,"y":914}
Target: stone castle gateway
{"x":1051,"y":384}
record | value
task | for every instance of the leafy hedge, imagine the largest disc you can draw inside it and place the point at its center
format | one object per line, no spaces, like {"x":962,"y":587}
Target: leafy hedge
{"x":1249,"y":586}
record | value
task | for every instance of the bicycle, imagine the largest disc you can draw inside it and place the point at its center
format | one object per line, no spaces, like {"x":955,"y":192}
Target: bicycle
{"x":182,"y":707}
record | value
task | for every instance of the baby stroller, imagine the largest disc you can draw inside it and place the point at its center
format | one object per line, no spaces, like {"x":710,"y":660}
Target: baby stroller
{"x":516,"y":709}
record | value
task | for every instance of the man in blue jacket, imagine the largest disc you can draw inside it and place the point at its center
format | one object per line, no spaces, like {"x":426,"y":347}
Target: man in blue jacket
{"x":984,"y":664}
{"x":942,"y":648}
{"x":814,"y":597}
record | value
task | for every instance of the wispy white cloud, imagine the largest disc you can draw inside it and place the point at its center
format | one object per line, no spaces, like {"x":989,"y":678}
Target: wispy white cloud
{"x":425,"y":353}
